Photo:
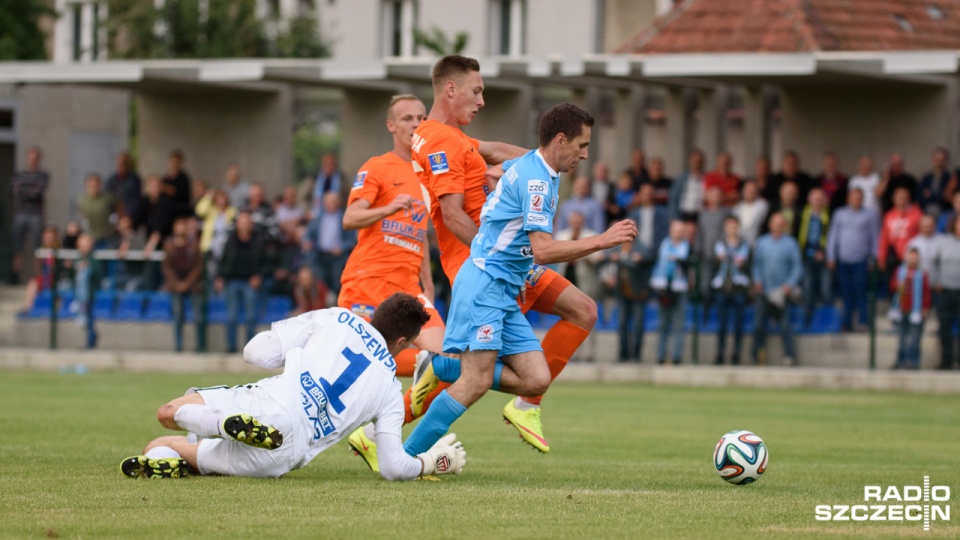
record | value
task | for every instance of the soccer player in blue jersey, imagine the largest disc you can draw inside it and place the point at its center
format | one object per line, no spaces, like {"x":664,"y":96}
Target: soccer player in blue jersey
{"x":516,"y":230}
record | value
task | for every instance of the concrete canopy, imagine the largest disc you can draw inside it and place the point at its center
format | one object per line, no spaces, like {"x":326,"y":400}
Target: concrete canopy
{"x":923,"y":82}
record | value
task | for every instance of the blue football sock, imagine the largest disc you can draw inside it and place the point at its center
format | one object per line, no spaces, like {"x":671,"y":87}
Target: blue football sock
{"x":497,"y":373}
{"x":447,"y":369}
{"x":443,"y":412}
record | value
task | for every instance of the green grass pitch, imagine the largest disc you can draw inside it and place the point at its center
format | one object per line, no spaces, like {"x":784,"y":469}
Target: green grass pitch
{"x":628,"y":461}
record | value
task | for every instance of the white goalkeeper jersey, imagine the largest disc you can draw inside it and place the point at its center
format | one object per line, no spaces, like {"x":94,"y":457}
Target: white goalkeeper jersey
{"x":337,"y":375}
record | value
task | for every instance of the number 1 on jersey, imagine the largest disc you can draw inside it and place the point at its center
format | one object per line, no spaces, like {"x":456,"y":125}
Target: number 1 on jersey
{"x":358,"y":364}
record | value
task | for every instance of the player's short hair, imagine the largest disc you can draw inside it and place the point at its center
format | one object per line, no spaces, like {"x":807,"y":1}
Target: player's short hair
{"x":564,"y":118}
{"x":452,"y":66}
{"x":397,"y":99}
{"x":400,"y":315}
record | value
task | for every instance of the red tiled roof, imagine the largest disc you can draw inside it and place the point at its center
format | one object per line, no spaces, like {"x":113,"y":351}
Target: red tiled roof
{"x":801,"y":25}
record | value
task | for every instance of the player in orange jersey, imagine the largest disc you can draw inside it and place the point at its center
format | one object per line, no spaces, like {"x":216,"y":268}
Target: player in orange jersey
{"x":453,"y":168}
{"x":392,"y":254}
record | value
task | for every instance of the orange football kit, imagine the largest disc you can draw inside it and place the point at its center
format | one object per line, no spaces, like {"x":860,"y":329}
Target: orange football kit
{"x":389,"y":253}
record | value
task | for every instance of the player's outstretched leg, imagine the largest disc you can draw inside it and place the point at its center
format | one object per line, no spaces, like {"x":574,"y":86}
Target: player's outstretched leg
{"x":144,"y":467}
{"x":578,"y":313}
{"x":246,"y":429}
{"x":363,"y":443}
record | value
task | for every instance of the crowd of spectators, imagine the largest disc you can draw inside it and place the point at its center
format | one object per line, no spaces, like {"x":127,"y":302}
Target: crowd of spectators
{"x":783,"y":240}
{"x":226,"y":238}
{"x":776,"y":239}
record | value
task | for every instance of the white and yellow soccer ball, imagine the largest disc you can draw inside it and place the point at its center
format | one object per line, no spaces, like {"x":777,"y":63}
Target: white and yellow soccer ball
{"x":740,"y":457}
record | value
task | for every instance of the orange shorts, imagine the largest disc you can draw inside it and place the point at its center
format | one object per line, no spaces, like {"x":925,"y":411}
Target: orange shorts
{"x":362,"y":297}
{"x":543,"y":287}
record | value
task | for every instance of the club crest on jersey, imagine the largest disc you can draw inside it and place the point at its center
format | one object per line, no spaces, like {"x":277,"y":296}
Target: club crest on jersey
{"x":485,"y":334}
{"x":417,"y":213}
{"x":443,"y":464}
{"x":438,"y":163}
{"x":536,"y":203}
{"x":358,"y":181}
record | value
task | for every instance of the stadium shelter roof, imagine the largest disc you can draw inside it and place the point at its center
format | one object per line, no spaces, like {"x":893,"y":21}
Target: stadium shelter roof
{"x":601,"y":70}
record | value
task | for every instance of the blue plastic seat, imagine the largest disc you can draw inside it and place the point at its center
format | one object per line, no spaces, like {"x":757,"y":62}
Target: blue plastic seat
{"x":216,"y":309}
{"x":103,"y":305}
{"x":159,"y":307}
{"x":41,"y":308}
{"x":129,"y":306}
{"x":277,"y":309}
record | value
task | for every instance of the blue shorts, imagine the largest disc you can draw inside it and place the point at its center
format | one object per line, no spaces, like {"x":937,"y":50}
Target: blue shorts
{"x":484,"y":316}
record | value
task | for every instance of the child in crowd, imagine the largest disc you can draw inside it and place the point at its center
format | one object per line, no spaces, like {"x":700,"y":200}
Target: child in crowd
{"x":669,"y":280}
{"x":45,"y":278}
{"x":730,"y":285}
{"x":910,"y":306}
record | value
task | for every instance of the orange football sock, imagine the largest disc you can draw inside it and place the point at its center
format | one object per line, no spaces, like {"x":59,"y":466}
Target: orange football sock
{"x":559,"y":345}
{"x":407,"y":414}
{"x":405,"y":361}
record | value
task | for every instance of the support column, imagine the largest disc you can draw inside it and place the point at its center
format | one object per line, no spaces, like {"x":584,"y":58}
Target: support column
{"x":756,"y":132}
{"x":678,"y":131}
{"x":627,"y":126}
{"x":709,"y":136}
{"x":364,"y":133}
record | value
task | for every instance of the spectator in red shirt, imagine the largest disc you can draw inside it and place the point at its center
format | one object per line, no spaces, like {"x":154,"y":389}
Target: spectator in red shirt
{"x":900,"y":224}
{"x":724,"y":179}
{"x":833,"y":182}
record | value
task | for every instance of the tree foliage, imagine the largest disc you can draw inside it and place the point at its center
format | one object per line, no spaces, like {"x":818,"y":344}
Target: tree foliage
{"x":437,"y":41}
{"x":20,"y":34}
{"x":207,"y":29}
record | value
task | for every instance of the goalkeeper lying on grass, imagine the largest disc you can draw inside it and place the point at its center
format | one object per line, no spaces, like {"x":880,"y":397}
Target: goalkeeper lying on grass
{"x":339,"y":373}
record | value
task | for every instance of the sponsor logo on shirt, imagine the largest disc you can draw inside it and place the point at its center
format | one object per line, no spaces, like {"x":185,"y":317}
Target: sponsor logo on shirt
{"x":526,"y":251}
{"x":534,"y":274}
{"x":536,"y":219}
{"x":536,"y":203}
{"x":537,"y":186}
{"x":438,"y":163}
{"x":485,"y":334}
{"x":314,"y":401}
{"x":358,"y":181}
{"x":363,"y":310}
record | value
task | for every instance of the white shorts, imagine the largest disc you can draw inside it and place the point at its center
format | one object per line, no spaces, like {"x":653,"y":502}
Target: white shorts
{"x":233,"y":458}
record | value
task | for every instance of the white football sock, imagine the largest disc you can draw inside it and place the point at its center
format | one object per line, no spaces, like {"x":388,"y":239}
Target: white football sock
{"x":159,"y":452}
{"x":369,"y":432}
{"x":200,"y":419}
{"x":524,"y":405}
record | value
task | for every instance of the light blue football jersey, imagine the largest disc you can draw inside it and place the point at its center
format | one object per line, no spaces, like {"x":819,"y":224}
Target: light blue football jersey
{"x":525,"y":200}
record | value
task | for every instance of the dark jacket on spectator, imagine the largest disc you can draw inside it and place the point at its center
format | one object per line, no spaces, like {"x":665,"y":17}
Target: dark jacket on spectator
{"x":243,"y":260}
{"x":126,"y":192}
{"x":155,"y":216}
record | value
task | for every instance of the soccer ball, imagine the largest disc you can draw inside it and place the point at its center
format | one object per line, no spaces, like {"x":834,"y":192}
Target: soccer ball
{"x":740,"y":457}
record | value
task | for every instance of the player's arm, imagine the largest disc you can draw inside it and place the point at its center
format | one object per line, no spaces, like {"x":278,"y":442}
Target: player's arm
{"x":493,"y":176}
{"x":495,"y":153}
{"x":359,"y":215}
{"x":459,"y":223}
{"x":426,"y":275}
{"x":269,"y":348}
{"x":446,"y":456}
{"x":546,"y":250}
